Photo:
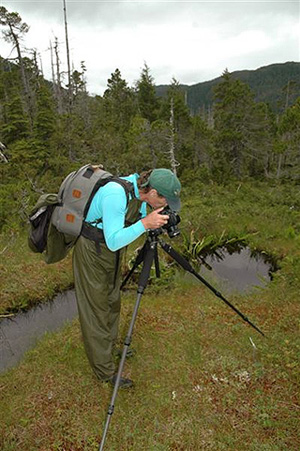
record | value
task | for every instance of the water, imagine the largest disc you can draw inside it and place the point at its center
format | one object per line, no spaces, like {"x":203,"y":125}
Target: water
{"x":21,"y":332}
{"x":238,"y":271}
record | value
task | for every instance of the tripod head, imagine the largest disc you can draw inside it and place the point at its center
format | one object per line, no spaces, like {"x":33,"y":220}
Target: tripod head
{"x":153,"y":234}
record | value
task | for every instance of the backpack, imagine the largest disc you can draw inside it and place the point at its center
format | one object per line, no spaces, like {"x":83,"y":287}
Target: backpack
{"x":56,"y":220}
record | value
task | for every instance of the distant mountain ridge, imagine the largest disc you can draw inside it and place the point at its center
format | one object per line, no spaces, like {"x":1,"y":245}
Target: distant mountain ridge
{"x":267,"y":83}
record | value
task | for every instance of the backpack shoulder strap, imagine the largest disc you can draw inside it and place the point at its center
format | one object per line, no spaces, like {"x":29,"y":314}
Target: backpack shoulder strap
{"x":128,"y":188}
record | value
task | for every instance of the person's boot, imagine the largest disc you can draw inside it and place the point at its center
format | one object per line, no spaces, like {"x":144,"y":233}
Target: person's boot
{"x":130,"y":353}
{"x":124,"y":383}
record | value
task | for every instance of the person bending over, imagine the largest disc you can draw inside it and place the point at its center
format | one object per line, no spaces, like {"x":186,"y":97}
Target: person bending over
{"x":114,"y":220}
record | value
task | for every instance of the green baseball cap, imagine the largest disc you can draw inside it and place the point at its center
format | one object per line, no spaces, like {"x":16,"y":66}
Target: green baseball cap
{"x":166,"y":184}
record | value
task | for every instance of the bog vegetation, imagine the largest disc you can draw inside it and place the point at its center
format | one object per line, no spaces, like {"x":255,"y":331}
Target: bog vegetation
{"x":49,"y":128}
{"x":204,"y":380}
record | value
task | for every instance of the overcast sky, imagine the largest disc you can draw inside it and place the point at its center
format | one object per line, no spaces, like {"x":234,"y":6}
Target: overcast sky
{"x":193,"y":41}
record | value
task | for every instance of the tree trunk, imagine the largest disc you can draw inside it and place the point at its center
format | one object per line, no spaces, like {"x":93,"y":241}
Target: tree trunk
{"x":70,"y":94}
{"x":172,"y":139}
{"x":58,"y":90}
{"x":41,"y":65}
{"x":52,"y":68}
{"x":36,"y":68}
{"x":279,"y":166}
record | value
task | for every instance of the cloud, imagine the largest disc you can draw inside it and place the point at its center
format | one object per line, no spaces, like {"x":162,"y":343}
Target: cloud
{"x":192,"y":41}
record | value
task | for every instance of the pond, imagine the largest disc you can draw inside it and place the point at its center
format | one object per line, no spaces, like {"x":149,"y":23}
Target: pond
{"x":239,"y":271}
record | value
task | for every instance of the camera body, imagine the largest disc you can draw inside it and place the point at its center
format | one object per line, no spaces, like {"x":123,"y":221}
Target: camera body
{"x":171,"y":226}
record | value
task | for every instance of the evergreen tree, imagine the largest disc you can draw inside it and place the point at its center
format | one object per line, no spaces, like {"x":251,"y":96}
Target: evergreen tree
{"x":146,"y":145}
{"x":44,"y":121}
{"x":13,"y":33}
{"x":288,"y":160}
{"x":146,"y":95}
{"x":138,"y":155}
{"x":81,"y":100}
{"x":238,"y":127}
{"x":259,"y":146}
{"x":119,"y":103}
{"x":119,"y":108}
{"x":14,"y":124}
{"x":201,"y":142}
{"x":78,"y":80}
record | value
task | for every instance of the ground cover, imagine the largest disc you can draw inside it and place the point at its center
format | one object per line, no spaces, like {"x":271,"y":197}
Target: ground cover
{"x":199,"y":381}
{"x":203,"y":378}
{"x":25,"y":279}
{"x":267,"y":215}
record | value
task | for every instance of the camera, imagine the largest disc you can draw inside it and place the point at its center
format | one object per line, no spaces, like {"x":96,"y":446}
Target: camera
{"x":171,"y":226}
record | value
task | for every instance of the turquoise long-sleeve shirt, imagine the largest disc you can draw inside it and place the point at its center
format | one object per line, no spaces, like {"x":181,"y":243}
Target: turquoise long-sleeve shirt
{"x":110,"y":204}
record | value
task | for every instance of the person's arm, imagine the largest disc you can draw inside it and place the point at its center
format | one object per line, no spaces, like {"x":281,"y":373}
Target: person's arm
{"x":114,"y":205}
{"x":114,"y":211}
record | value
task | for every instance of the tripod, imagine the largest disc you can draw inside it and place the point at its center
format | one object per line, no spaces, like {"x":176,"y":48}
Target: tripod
{"x":147,"y":255}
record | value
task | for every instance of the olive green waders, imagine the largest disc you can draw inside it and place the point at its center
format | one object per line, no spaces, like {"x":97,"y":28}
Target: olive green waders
{"x":97,"y":285}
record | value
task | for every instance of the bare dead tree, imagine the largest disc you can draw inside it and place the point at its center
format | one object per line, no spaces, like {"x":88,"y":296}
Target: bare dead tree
{"x":2,"y":155}
{"x":171,"y":139}
{"x":36,"y":67}
{"x":52,"y":66}
{"x":70,"y":93}
{"x":41,"y":64}
{"x":57,"y":84}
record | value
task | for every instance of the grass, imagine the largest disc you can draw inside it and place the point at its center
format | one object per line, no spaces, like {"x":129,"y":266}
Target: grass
{"x":199,"y":382}
{"x":25,"y":279}
{"x":204,"y":380}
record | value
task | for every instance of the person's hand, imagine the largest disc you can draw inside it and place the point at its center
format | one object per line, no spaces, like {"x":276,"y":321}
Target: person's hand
{"x":155,"y":220}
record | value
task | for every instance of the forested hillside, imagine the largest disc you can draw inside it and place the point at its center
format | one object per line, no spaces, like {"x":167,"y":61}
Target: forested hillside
{"x":278,"y":85}
{"x":49,"y":128}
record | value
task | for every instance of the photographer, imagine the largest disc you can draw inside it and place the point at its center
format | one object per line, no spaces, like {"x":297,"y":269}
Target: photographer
{"x":114,"y":221}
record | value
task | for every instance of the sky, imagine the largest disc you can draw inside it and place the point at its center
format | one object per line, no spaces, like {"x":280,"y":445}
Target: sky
{"x":191,"y":41}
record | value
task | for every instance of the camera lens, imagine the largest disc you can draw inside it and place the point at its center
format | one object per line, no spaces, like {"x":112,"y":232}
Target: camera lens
{"x":171,"y":226}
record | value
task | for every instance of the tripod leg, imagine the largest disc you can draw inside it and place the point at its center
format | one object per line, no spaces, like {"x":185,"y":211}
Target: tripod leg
{"x":143,"y":280}
{"x":186,"y":265}
{"x":138,"y":260}
{"x":156,"y":261}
